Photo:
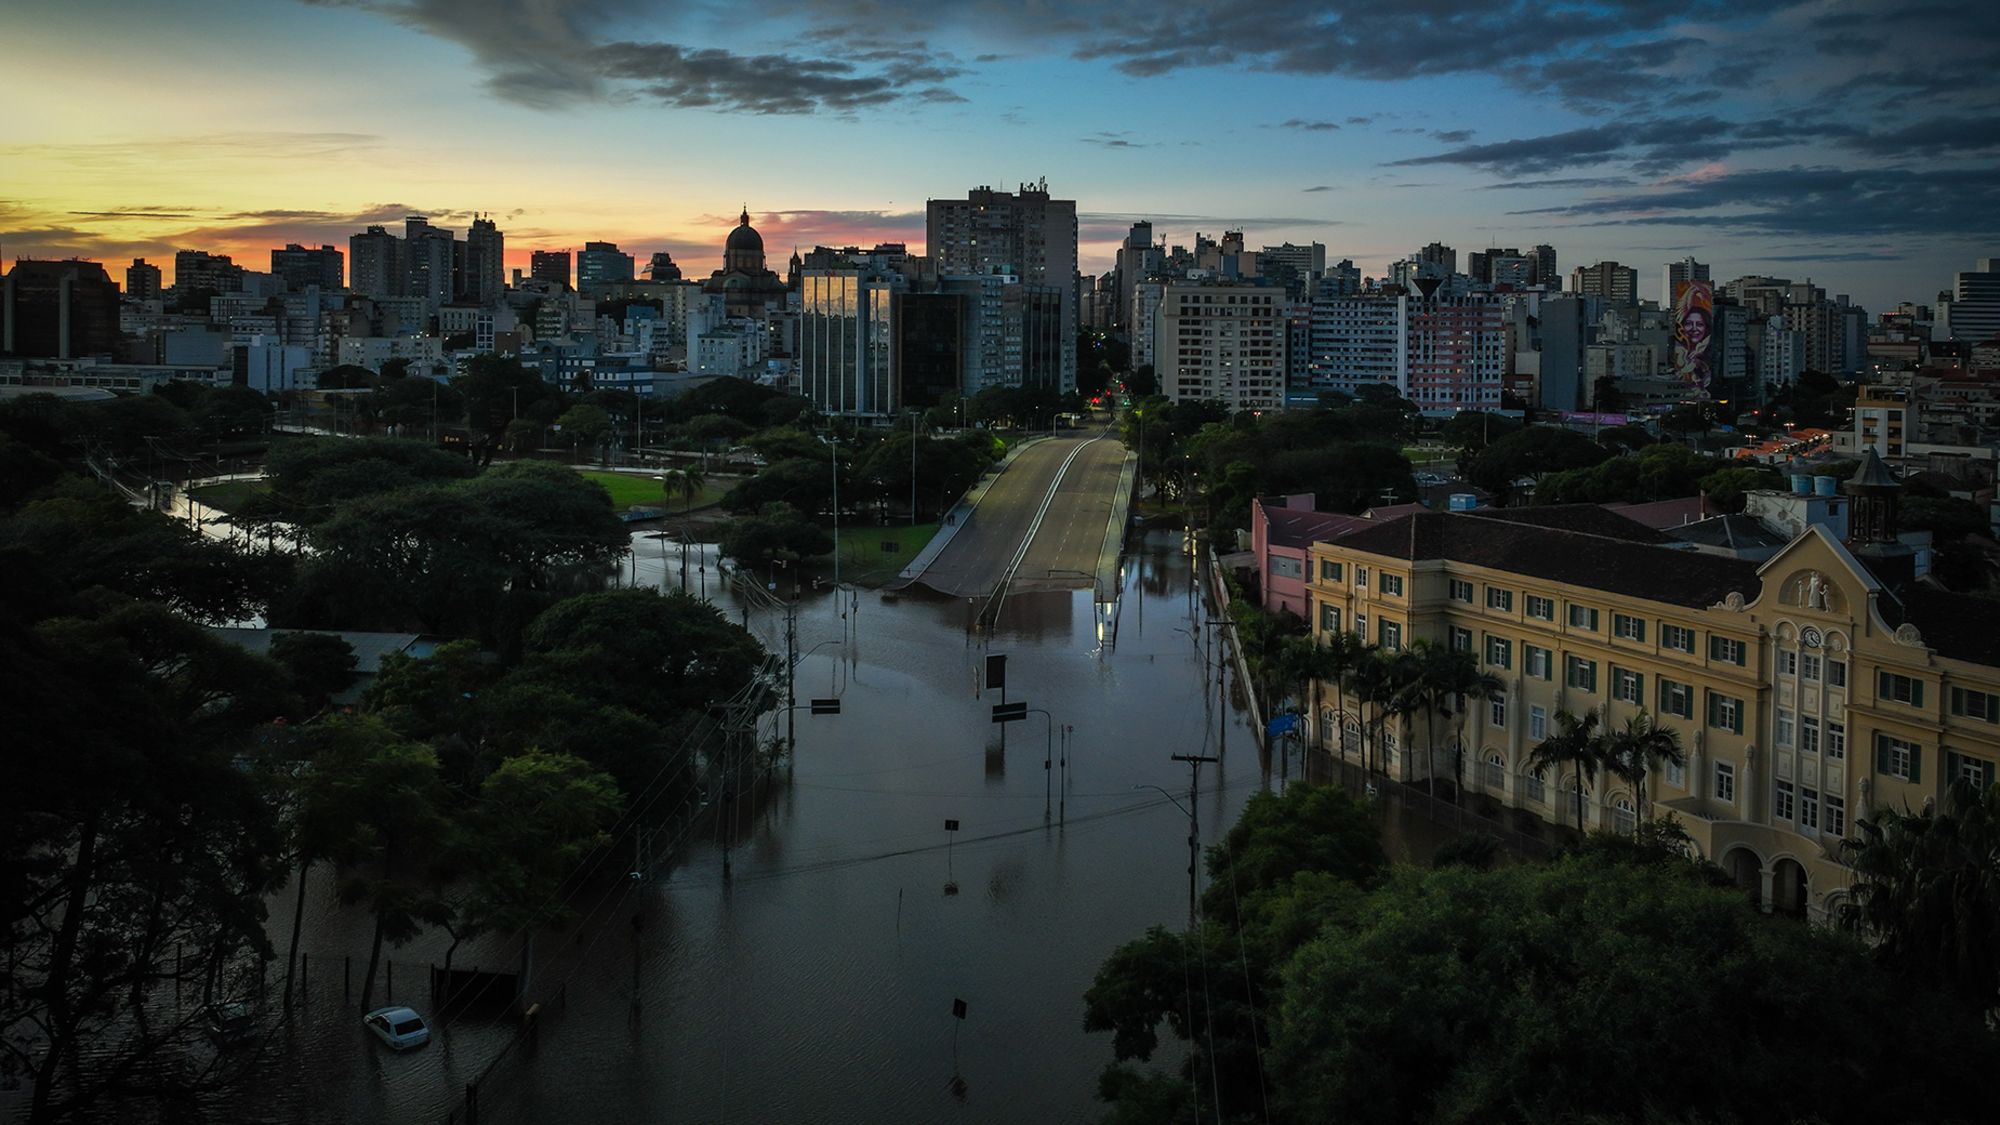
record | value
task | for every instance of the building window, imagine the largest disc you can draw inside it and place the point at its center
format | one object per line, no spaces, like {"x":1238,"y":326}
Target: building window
{"x":1808,"y":667}
{"x":1329,"y":571}
{"x":1628,"y":686}
{"x":1582,"y":617}
{"x":1785,"y":731}
{"x":1329,"y":619}
{"x":1531,"y":784}
{"x":1496,"y":773}
{"x":1392,"y":636}
{"x":1972,"y":704}
{"x":1361,"y":626}
{"x":1725,"y":712}
{"x":1499,"y":651}
{"x":1540,"y":661}
{"x":1677,"y":774}
{"x":1284,"y":566}
{"x":1725,"y":782}
{"x":1391,"y":584}
{"x":1538,"y":723}
{"x":1896,"y":688}
{"x":1627,"y":627}
{"x":1502,"y":600}
{"x":1725,"y":650}
{"x":1962,"y":767}
{"x":1836,"y":815}
{"x":1808,"y":734}
{"x":1898,"y":758}
{"x":1676,"y":699}
{"x":1623,"y":820}
{"x":1580,"y":674}
{"x":1788,"y":663}
{"x":1496,"y":712}
{"x":1836,"y":673}
{"x":1461,"y":639}
{"x":1781,"y":800}
{"x":1809,"y":808}
{"x":1676,"y":637}
{"x":1461,"y":591}
{"x":1361,"y":577}
{"x":1540,"y":608}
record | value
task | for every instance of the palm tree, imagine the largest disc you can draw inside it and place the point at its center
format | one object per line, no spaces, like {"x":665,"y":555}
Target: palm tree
{"x":688,"y":481}
{"x":1577,"y":742}
{"x":1635,"y":752}
{"x":1928,"y":890}
{"x":1448,"y":679}
{"x":1385,"y":679}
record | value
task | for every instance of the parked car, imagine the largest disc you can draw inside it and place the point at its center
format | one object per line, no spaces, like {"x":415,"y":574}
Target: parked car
{"x":230,"y":1024}
{"x":400,"y":1028}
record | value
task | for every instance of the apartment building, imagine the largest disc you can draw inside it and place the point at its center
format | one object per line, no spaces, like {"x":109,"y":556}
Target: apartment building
{"x":1222,"y":343}
{"x":1808,"y":690}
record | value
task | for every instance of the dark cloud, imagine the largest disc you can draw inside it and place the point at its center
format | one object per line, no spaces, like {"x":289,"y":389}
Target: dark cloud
{"x":1452,"y":136}
{"x":1305,"y":125}
{"x":1566,"y":184}
{"x":1937,"y":135}
{"x":1545,"y":153}
{"x":1812,"y":202}
{"x":1113,"y":140}
{"x":1318,"y":187}
{"x":710,"y":78}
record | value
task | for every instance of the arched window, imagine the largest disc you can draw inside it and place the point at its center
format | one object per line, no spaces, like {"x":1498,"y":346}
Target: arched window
{"x":1623,"y":820}
{"x":1534,"y":788}
{"x":1496,"y":772}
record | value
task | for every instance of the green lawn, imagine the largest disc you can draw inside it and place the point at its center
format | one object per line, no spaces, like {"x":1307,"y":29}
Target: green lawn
{"x":229,"y":496}
{"x":863,"y":560}
{"x":629,"y":489}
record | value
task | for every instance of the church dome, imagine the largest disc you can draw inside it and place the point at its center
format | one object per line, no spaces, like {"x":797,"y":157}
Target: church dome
{"x":745,"y":236}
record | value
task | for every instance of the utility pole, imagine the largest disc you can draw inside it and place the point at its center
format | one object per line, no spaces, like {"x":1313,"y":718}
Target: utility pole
{"x":792,"y":673}
{"x":1194,"y":762}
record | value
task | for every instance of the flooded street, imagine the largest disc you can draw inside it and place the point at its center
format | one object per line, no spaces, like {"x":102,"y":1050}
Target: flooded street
{"x":816,"y":981}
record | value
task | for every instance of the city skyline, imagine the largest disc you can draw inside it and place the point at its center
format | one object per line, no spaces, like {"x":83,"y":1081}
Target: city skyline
{"x":1762,"y":139}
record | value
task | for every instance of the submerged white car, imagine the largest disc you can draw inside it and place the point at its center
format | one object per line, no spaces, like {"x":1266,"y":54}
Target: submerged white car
{"x":400,"y":1028}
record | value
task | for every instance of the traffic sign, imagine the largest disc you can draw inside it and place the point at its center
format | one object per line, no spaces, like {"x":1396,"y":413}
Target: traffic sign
{"x":826,"y":706}
{"x":1010,"y":712}
{"x":996,"y":670}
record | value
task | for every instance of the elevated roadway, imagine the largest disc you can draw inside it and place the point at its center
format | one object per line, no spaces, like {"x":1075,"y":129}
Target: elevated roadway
{"x":1047,"y":517}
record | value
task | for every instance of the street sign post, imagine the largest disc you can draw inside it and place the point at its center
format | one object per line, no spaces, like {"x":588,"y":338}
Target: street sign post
{"x":1010,"y":712}
{"x":826,"y":706}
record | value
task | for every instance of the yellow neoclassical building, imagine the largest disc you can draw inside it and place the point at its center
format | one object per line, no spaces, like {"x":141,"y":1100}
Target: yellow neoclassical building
{"x":1808,"y":690}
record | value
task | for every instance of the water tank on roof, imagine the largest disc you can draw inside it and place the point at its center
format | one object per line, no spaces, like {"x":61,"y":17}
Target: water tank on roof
{"x":1826,"y":486}
{"x":1462,"y":502}
{"x":1801,"y":484}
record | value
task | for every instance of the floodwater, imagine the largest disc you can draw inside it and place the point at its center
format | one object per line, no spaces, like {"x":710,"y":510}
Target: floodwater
{"x":816,"y":980}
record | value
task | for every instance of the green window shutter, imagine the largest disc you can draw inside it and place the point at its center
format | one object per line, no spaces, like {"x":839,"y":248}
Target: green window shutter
{"x":1881,"y":756}
{"x":1736,"y":727}
{"x":1916,"y":693}
{"x":1916,"y":764}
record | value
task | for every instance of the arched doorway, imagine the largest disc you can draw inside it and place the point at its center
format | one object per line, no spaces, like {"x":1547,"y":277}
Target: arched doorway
{"x":1790,"y":892}
{"x":1747,"y":870}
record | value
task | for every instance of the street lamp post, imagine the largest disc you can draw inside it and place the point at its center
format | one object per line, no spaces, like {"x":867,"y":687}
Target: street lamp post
{"x":1048,"y":756}
{"x":833,"y":450}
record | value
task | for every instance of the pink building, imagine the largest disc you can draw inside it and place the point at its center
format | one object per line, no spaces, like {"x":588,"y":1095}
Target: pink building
{"x":1282,"y":532}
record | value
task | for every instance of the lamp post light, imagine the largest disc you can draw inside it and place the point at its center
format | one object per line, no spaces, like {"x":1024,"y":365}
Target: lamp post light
{"x":833,"y":451}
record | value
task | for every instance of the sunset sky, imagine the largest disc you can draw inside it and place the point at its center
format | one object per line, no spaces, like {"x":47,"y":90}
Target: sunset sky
{"x":1853,"y":141}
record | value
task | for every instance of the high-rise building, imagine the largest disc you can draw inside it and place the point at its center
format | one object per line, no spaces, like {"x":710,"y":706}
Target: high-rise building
{"x":1221,"y":343}
{"x":1616,"y":284}
{"x":1973,"y":313}
{"x":1027,"y":234}
{"x":1457,"y":353}
{"x":1441,"y":258}
{"x":377,"y":257}
{"x":1479,"y":263}
{"x":485,"y":254}
{"x":142,"y":280}
{"x":58,"y":310}
{"x":197,"y":271}
{"x":1687,"y":269}
{"x":847,"y":339}
{"x":430,"y":262}
{"x":1561,"y":334}
{"x":298,"y":267}
{"x":930,"y":347}
{"x":1544,"y":273}
{"x":601,"y":262}
{"x":1358,"y":341}
{"x":662,"y":267}
{"x":551,"y":266}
